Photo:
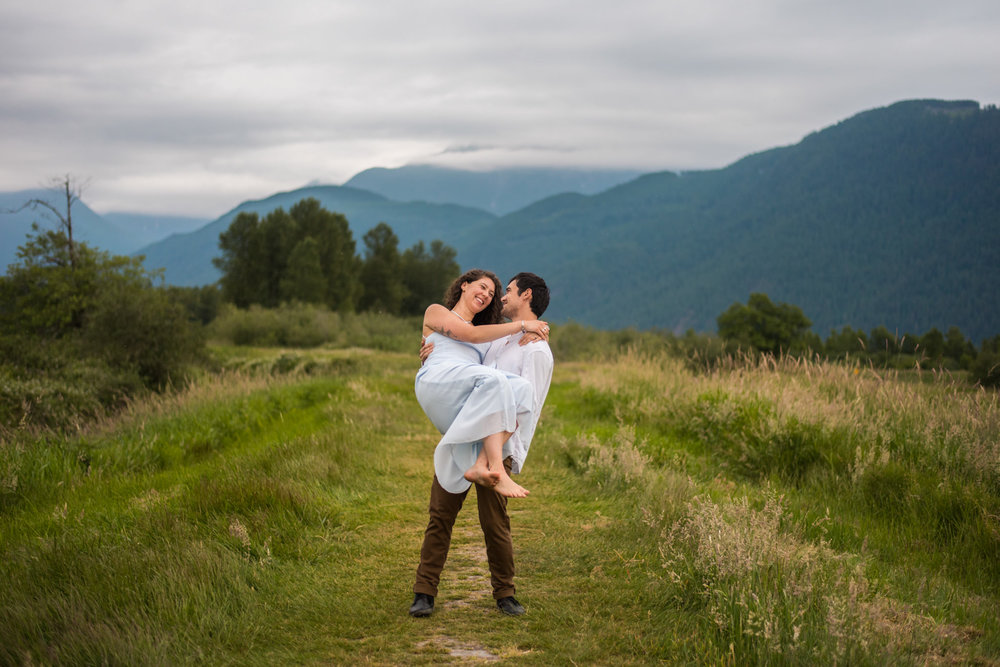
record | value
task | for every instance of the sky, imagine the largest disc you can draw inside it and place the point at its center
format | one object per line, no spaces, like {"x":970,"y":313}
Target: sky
{"x":187,"y":107}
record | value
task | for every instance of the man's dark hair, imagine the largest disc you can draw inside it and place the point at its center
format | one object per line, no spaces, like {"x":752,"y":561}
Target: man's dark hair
{"x":539,"y":291}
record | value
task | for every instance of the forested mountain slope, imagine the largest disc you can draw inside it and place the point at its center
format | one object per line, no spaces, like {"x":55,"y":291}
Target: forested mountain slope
{"x":890,"y":217}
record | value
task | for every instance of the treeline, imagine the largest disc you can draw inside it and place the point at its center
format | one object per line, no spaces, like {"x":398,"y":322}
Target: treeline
{"x":308,"y":255}
{"x":762,"y":326}
{"x":82,"y":332}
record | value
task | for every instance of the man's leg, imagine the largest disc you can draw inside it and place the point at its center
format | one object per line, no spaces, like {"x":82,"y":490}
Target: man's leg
{"x":496,"y":530}
{"x":443,"y":510}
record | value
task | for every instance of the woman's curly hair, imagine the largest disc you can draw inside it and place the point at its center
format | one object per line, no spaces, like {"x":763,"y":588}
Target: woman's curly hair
{"x":488,"y":315}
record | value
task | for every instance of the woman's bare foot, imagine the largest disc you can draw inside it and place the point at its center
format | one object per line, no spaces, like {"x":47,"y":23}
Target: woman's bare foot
{"x":483,"y":476}
{"x":508,"y":487}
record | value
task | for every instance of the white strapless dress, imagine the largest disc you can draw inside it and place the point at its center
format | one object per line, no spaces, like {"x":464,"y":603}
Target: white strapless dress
{"x":467,"y":401}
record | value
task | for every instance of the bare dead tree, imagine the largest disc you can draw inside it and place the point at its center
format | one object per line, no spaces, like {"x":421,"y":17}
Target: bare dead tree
{"x":71,"y":189}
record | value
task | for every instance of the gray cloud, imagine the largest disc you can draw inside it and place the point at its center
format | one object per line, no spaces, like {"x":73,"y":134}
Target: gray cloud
{"x":189,"y":108}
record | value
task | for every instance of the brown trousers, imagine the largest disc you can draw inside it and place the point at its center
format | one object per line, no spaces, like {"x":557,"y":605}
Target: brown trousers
{"x":444,"y":508}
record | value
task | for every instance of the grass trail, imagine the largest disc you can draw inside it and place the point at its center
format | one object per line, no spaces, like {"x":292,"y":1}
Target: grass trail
{"x":278,"y":521}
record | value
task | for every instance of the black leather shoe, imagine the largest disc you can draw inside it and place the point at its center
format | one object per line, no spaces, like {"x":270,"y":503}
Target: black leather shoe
{"x":423,"y":605}
{"x":510,"y":606}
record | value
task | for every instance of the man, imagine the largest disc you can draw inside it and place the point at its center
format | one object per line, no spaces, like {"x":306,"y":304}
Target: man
{"x":526,"y":298}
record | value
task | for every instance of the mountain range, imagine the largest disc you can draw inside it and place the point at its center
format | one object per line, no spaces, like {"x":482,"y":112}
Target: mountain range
{"x":500,"y":192}
{"x":890,"y":217}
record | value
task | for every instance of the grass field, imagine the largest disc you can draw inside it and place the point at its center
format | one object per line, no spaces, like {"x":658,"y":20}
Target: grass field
{"x":772,"y":513}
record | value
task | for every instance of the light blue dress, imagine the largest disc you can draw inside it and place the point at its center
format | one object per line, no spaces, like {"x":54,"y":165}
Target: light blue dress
{"x":467,"y":401}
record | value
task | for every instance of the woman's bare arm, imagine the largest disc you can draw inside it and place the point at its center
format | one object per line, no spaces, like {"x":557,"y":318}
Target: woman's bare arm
{"x":438,"y":319}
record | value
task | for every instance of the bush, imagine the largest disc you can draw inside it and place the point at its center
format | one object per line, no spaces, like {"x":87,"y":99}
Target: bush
{"x":142,"y":331}
{"x":985,"y":370}
{"x":306,"y":325}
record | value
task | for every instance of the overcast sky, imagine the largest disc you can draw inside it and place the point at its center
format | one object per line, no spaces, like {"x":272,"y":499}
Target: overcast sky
{"x":191,"y":107}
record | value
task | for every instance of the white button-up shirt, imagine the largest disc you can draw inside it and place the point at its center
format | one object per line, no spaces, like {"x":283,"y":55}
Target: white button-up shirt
{"x":534,"y":363}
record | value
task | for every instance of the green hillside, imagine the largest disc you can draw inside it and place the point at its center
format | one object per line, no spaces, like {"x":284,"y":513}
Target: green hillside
{"x":891,"y":217}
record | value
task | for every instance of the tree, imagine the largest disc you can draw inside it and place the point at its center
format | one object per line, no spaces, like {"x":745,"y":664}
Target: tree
{"x":257,"y":257}
{"x":105,"y":306}
{"x":303,"y":279}
{"x":765,"y":326}
{"x":425,"y":275}
{"x":958,"y":348}
{"x":242,"y":280}
{"x":932,"y":344}
{"x":339,"y":263}
{"x":985,"y":370}
{"x":381,"y":277}
{"x":846,"y":342}
{"x":71,"y":190}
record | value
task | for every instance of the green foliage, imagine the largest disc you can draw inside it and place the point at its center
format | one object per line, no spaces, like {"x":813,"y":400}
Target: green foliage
{"x":764,"y":326}
{"x":83,"y":330}
{"x":304,"y":279}
{"x":986,"y":368}
{"x":309,"y":325}
{"x":426,"y":275}
{"x":142,"y":330}
{"x":201,"y":303}
{"x":381,"y":279}
{"x":308,"y":255}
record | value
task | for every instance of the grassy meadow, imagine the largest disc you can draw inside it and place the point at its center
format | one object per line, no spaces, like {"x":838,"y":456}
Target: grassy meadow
{"x":772,"y":512}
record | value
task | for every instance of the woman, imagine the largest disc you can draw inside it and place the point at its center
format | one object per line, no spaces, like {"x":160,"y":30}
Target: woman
{"x":465,"y":400}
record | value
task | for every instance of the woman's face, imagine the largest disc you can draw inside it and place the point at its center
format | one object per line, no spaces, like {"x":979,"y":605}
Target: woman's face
{"x":478,"y":294}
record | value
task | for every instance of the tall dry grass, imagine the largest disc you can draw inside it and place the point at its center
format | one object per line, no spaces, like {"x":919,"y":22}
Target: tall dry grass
{"x":816,"y":495}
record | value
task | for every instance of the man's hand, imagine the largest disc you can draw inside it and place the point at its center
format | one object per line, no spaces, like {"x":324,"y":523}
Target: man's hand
{"x":425,"y":350}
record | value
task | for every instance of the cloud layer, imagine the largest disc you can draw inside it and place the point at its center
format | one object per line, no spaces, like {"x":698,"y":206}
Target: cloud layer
{"x":191,"y":107}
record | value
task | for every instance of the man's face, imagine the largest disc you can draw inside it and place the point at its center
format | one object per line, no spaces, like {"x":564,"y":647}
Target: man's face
{"x":513,"y":301}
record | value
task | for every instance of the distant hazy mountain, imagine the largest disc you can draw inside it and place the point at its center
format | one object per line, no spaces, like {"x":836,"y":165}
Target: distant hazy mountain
{"x":187,"y":258}
{"x":500,"y":191}
{"x":117,"y":233}
{"x":143,"y":229}
{"x":890,"y":217}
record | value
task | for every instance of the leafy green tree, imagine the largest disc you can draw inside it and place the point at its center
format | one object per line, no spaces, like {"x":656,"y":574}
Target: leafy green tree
{"x":277,"y":235}
{"x":932,"y":343}
{"x":257,"y":259}
{"x":846,"y":342}
{"x":137,"y":327}
{"x":381,"y":276}
{"x":102,"y":306}
{"x":242,"y":280}
{"x":958,"y":348}
{"x":426,"y":275}
{"x":765,"y":326}
{"x":304,"y":280}
{"x":339,"y":264}
{"x":201,"y":303}
{"x":883,"y":341}
{"x":985,"y":370}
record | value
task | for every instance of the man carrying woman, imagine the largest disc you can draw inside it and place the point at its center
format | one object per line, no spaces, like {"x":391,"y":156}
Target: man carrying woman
{"x":472,"y":403}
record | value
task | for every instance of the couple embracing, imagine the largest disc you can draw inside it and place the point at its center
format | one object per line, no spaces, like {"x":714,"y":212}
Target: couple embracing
{"x":482,"y":384}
